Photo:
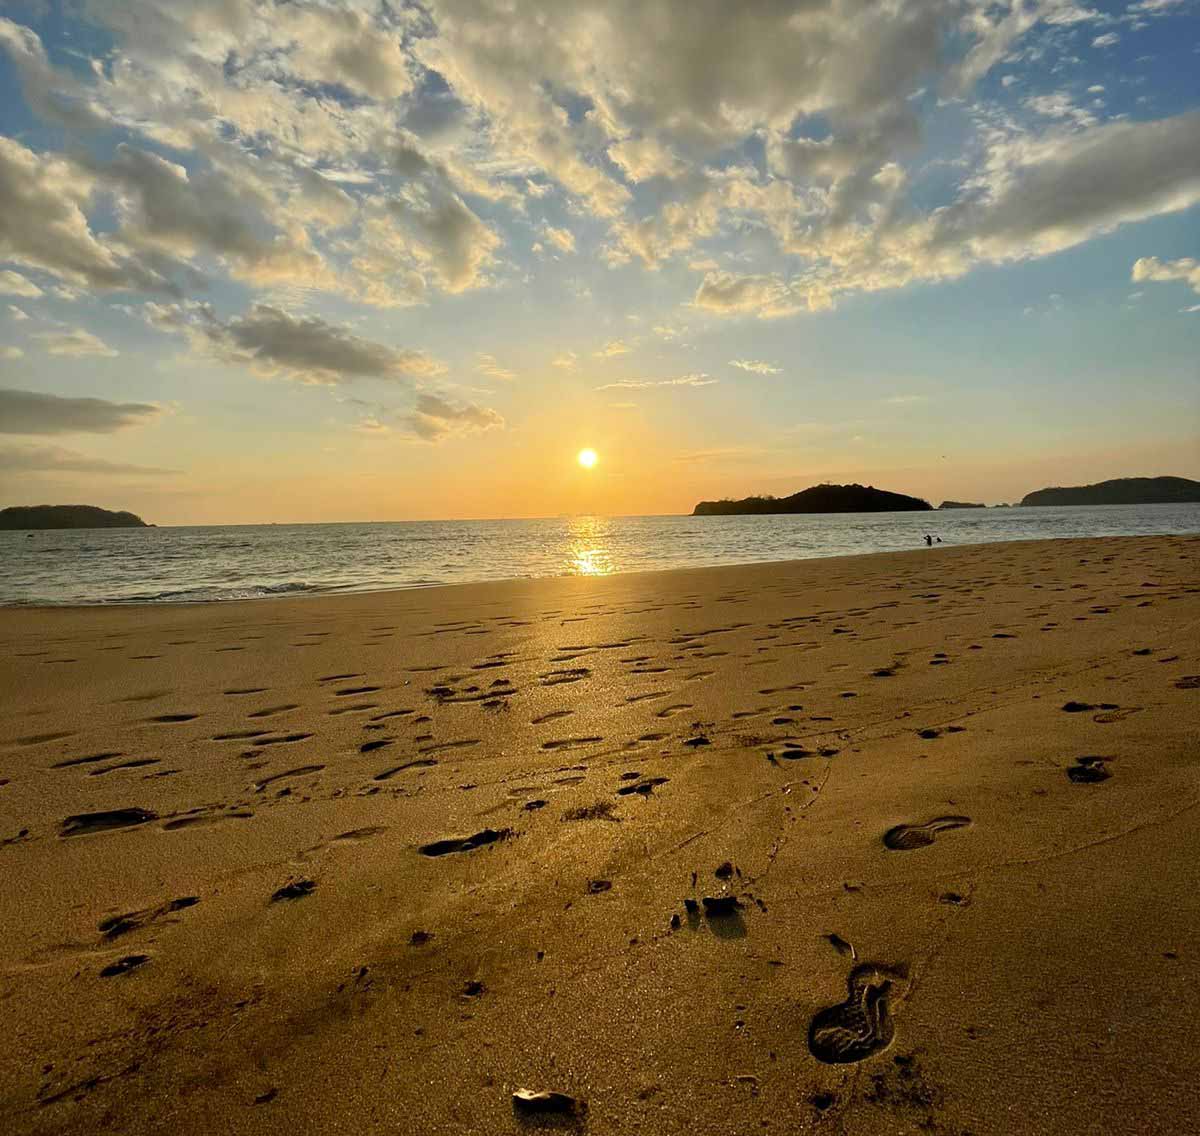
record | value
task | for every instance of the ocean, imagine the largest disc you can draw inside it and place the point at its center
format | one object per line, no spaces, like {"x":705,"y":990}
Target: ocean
{"x":226,"y":562}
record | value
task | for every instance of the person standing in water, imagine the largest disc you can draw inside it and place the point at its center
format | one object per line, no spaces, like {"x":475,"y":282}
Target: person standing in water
{"x":928,"y":541}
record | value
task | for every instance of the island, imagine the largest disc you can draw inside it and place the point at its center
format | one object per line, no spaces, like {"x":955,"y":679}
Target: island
{"x":960,"y":505}
{"x":67,"y":517}
{"x":818,"y":499}
{"x":1120,"y":491}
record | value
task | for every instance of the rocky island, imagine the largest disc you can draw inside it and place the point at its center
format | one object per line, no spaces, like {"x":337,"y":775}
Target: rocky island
{"x":1120,"y":491}
{"x":20,"y":517}
{"x":818,"y":499}
{"x":960,"y":505}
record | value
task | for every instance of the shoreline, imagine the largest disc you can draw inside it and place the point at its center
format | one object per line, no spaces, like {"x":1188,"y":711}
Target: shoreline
{"x":381,"y":859}
{"x":141,"y":604}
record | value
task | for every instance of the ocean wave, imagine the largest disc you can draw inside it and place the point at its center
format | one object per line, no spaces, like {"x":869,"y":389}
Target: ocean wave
{"x":206,"y":593}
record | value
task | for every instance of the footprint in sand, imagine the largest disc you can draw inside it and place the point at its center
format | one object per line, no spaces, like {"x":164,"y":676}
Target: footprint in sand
{"x":906,"y":837}
{"x":82,"y":824}
{"x":1088,"y":771}
{"x":464,"y":843}
{"x":860,"y":1026}
{"x":671,"y":711}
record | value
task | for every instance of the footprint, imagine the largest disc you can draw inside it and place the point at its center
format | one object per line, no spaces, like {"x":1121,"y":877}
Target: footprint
{"x":906,"y":837}
{"x":677,"y":708}
{"x":464,"y":843}
{"x":570,"y":743}
{"x":301,"y":771}
{"x":388,"y":774}
{"x":361,"y":833}
{"x":172,"y":718}
{"x":1088,"y":771}
{"x":90,"y":759}
{"x":860,"y":1026}
{"x":82,"y":824}
{"x":553,"y":716}
{"x":271,"y":711}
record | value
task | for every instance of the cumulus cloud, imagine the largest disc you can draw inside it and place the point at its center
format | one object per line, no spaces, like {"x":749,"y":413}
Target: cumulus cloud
{"x":31,"y":412}
{"x":43,"y":224}
{"x":728,"y":293}
{"x":434,"y":418}
{"x":14,"y":284}
{"x":55,"y":459}
{"x":1151,"y":268}
{"x":273,"y":342}
{"x":306,"y":146}
{"x":755,"y":366}
{"x":75,"y":343}
{"x":561,"y":239}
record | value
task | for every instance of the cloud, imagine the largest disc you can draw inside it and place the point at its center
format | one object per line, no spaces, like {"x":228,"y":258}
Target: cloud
{"x":488,"y":366}
{"x":55,"y":459}
{"x":434,"y":418}
{"x":1151,"y":268}
{"x":1106,"y":40}
{"x":14,"y":284}
{"x":75,"y":343}
{"x":561,"y":239}
{"x":728,"y":293}
{"x":11,"y":353}
{"x":16,"y":313}
{"x":30,"y":412}
{"x":755,"y":366}
{"x":273,"y":342}
{"x":1042,"y":197}
{"x":612,"y":349}
{"x":905,"y":399}
{"x":728,"y":454}
{"x":565,"y":361}
{"x":698,"y":380}
{"x":43,"y":225}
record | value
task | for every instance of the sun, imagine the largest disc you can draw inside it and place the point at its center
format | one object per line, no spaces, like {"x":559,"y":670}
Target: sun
{"x":587,"y":458}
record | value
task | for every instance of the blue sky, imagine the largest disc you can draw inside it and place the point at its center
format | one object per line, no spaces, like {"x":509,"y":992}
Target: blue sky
{"x":361,"y":260}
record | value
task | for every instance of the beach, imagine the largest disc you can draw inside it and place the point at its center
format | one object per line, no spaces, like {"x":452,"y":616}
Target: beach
{"x":874,"y":844}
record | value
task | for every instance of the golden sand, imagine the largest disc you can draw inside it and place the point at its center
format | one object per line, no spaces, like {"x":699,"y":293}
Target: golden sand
{"x":374,"y":863}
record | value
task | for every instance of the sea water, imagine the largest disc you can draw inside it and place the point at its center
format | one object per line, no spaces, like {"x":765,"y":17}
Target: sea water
{"x":214,"y":562}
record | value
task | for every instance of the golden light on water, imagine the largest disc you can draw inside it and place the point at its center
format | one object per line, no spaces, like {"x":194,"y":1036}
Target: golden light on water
{"x":587,"y":458}
{"x":588,"y":547}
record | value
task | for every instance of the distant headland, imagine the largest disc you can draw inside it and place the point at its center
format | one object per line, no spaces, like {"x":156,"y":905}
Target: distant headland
{"x":67,"y":517}
{"x":818,"y":499}
{"x":1121,"y":491}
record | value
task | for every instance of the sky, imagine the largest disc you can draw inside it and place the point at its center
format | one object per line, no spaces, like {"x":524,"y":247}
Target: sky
{"x":347,"y":260}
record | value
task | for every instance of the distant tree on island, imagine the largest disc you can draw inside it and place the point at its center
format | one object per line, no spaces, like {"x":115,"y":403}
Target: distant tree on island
{"x":1121,"y":491}
{"x":67,"y":517}
{"x":818,"y":499}
{"x":960,"y":505}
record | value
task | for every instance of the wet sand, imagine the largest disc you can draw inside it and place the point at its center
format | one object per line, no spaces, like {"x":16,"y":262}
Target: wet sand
{"x":894,"y":843}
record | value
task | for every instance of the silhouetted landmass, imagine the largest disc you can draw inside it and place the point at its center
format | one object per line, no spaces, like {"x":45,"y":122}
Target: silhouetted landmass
{"x":818,"y":499}
{"x":1121,"y":491}
{"x":960,"y":505}
{"x":67,"y":517}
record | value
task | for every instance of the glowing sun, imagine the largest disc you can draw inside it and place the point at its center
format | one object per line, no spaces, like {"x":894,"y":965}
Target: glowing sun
{"x":587,"y":458}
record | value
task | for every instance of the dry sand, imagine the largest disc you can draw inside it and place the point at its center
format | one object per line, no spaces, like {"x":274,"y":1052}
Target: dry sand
{"x":1024,"y":959}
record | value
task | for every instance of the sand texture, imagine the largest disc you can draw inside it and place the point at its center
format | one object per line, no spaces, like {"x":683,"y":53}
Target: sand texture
{"x":883,"y":844}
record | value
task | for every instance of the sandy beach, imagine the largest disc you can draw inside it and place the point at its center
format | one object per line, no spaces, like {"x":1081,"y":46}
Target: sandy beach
{"x":882,"y":844}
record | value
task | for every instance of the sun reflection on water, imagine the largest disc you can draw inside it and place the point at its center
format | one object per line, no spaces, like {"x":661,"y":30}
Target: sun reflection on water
{"x":588,"y":541}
